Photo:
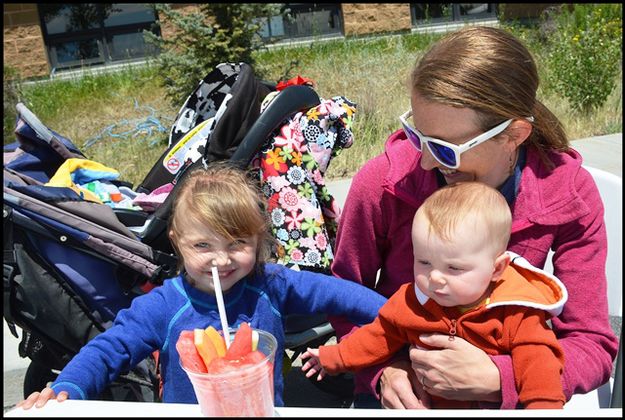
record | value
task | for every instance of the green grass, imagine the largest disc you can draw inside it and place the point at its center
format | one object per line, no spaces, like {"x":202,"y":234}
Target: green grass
{"x":371,"y":72}
{"x":82,"y":109}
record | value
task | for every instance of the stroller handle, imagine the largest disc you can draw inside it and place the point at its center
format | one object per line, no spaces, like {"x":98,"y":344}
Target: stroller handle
{"x":290,"y":100}
{"x":34,"y":122}
{"x":61,"y":147}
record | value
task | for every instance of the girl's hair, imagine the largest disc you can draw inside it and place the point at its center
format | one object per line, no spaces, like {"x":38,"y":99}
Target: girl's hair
{"x":469,"y":202}
{"x":225,"y":199}
{"x":490,"y":71}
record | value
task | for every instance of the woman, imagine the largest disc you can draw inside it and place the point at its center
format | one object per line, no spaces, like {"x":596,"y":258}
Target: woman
{"x":474,"y":116}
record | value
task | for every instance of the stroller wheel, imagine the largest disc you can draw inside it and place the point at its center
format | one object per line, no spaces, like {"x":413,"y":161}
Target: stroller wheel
{"x":37,"y":377}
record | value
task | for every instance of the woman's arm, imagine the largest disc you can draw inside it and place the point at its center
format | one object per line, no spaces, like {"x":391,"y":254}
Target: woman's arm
{"x":360,"y":240}
{"x":583,"y":328}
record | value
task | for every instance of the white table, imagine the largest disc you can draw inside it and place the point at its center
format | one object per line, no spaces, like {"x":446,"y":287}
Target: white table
{"x":75,"y":408}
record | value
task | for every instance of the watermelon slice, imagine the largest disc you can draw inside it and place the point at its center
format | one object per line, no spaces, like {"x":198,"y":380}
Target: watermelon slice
{"x":223,"y":365}
{"x":252,"y":358}
{"x":241,"y":343}
{"x":189,"y":357}
{"x":204,"y":346}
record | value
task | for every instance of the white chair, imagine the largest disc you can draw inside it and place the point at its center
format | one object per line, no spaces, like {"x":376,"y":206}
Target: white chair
{"x":610,"y":187}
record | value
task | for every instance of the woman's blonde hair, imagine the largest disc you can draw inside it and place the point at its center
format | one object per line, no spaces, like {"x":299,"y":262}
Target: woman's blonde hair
{"x":469,"y":202}
{"x":225,"y":199}
{"x":491,"y":72}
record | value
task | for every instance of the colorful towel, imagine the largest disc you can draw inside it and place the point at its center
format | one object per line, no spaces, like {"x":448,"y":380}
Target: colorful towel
{"x":74,"y":173}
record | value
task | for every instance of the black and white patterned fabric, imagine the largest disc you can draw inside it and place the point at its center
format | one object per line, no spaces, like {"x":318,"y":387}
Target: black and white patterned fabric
{"x":211,"y":123}
{"x":205,"y":100}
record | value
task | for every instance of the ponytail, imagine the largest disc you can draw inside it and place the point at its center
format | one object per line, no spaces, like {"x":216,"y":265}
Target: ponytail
{"x":548,"y":133}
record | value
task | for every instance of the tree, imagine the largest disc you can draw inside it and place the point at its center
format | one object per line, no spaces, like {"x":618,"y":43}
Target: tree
{"x":216,"y":33}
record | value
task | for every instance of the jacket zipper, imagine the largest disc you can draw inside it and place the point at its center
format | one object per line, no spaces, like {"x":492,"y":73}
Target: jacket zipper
{"x":452,"y":330}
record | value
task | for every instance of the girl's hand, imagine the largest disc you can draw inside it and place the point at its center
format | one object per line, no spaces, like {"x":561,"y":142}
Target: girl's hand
{"x":458,"y":371}
{"x":39,"y":399}
{"x":400,"y":389}
{"x":312,"y":365}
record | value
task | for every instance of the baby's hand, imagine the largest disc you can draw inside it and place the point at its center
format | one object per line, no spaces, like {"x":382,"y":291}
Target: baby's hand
{"x":39,"y":399}
{"x":312,"y":365}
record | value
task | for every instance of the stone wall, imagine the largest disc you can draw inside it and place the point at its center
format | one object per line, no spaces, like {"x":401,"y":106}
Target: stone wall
{"x":370,"y":18}
{"x":24,"y":49}
{"x":515,"y":11}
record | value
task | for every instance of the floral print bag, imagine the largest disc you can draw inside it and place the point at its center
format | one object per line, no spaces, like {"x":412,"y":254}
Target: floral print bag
{"x":304,"y":215}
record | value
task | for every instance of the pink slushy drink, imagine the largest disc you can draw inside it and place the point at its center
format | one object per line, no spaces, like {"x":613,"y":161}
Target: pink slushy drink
{"x":240,"y":387}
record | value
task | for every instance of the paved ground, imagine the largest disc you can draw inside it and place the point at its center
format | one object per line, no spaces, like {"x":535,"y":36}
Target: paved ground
{"x":604,"y":152}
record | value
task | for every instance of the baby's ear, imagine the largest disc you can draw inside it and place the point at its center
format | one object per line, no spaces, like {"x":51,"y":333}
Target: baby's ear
{"x":501,"y":263}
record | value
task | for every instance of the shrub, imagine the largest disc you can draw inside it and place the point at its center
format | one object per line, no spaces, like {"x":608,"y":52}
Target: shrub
{"x":585,"y":56}
{"x":216,"y":33}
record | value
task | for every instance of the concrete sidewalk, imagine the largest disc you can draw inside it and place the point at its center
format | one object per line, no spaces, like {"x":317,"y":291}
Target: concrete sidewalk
{"x":603,"y":152}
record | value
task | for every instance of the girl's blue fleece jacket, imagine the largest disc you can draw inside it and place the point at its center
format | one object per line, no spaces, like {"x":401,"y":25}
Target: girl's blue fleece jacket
{"x":154,"y":322}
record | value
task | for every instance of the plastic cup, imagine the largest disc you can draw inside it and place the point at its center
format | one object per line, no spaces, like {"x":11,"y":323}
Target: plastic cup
{"x":245,"y":392}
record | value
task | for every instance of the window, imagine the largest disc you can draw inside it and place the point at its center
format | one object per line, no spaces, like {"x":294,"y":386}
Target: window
{"x":424,"y":13}
{"x":304,"y":20}
{"x":82,"y":34}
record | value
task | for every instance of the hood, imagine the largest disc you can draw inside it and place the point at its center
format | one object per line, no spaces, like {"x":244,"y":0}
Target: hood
{"x":523,"y":285}
{"x":549,"y":196}
{"x":526,"y":285}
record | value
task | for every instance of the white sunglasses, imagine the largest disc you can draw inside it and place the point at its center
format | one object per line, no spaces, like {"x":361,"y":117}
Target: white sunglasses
{"x":448,"y":154}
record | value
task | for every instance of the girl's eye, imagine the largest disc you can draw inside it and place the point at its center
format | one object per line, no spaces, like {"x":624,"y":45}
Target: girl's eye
{"x":423,"y":262}
{"x":454,"y":268}
{"x":238,"y":243}
{"x":202,"y":245}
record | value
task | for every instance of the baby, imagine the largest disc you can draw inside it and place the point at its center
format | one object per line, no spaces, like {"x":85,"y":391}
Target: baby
{"x":467,"y":285}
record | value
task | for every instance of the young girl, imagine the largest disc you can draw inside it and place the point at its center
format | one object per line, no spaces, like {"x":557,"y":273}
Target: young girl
{"x":217,"y":219}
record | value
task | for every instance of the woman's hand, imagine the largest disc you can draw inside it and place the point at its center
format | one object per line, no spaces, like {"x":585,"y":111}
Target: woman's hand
{"x":39,"y":399}
{"x":400,"y":389}
{"x":458,"y":371}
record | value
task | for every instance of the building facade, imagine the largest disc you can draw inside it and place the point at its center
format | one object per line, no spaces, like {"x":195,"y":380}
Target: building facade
{"x":41,"y":39}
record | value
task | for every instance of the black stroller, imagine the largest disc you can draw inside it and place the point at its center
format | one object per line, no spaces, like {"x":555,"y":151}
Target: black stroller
{"x":70,"y":265}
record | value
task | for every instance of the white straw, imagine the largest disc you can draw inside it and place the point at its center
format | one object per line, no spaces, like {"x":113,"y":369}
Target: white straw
{"x":222,"y":308}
